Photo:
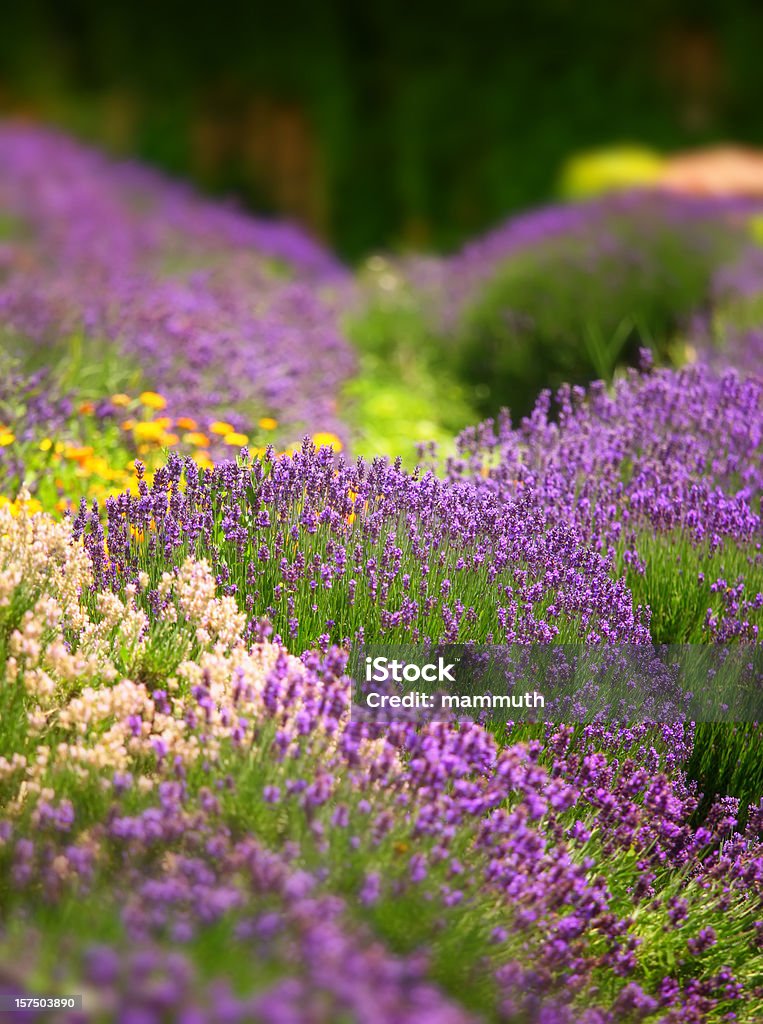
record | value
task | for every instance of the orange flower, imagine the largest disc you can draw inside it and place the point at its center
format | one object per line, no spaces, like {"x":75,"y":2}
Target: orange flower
{"x":121,"y":400}
{"x":79,"y":455}
{"x":186,"y":423}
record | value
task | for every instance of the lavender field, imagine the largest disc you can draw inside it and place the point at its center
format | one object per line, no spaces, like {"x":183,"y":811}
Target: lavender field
{"x":227,"y":461}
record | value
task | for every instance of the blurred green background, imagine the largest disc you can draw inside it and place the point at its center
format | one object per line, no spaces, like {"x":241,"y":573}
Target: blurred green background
{"x":385,"y":125}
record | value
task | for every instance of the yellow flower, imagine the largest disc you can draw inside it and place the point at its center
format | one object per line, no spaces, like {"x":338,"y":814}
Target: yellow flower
{"x":152,"y":400}
{"x":46,"y":444}
{"x":203,"y":460}
{"x":149,"y":431}
{"x":6,"y":438}
{"x":28,"y":505}
{"x":170,"y":440}
{"x":221,"y":427}
{"x":236,"y":439}
{"x":323,"y":437}
{"x":96,"y":464}
{"x":121,"y":400}
{"x":197,"y":439}
{"x":186,"y":423}
{"x":268,"y":423}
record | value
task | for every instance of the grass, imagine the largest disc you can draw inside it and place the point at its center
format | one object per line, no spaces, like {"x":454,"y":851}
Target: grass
{"x":676,"y":583}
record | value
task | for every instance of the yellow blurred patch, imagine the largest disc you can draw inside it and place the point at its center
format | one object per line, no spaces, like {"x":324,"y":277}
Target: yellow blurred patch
{"x":203,"y":460}
{"x":197,"y":439}
{"x":326,"y":439}
{"x":152,"y":431}
{"x":152,"y":399}
{"x":606,"y":170}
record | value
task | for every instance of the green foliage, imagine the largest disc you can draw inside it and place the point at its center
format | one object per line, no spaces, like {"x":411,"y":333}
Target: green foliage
{"x":404,"y":393}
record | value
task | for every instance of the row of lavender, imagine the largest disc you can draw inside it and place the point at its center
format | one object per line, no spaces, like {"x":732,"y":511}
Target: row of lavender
{"x":195,"y":829}
{"x":192,"y":826}
{"x":231,"y":315}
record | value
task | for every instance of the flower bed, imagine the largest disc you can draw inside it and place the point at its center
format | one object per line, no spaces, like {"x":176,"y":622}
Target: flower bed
{"x":193,"y":824}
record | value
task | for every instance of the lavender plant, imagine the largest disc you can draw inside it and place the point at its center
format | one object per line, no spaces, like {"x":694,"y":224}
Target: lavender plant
{"x":232,"y":315}
{"x":334,"y":552}
{"x":238,"y":812}
{"x":569,"y":293}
